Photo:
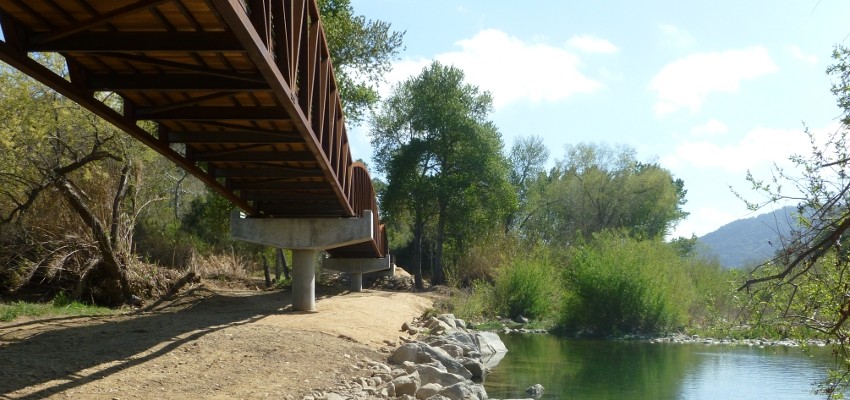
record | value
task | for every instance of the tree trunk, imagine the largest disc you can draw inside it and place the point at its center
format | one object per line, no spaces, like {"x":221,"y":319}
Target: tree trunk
{"x":116,"y":205}
{"x":112,"y":279}
{"x":266,"y":271}
{"x":177,"y":185}
{"x":417,"y":255}
{"x":439,"y":277}
{"x":280,"y":264}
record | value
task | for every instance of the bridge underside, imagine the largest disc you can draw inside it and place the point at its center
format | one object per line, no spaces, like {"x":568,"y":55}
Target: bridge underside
{"x":240,"y":93}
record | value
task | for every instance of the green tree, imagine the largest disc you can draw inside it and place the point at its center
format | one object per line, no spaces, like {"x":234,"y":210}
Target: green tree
{"x":528,"y":158}
{"x":443,"y":161}
{"x":598,"y":187}
{"x":68,"y":186}
{"x":362,"y":51}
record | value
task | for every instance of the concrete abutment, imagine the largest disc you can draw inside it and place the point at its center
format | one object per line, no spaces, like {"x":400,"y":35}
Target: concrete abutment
{"x":307,"y":238}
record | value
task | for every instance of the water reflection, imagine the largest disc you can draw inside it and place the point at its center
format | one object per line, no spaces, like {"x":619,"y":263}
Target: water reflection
{"x":616,"y":370}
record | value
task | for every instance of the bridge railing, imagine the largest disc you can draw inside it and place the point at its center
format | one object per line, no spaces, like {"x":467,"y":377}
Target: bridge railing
{"x":292,"y":32}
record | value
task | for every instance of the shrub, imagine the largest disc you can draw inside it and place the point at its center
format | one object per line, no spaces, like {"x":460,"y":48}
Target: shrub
{"x":472,"y":302}
{"x":619,"y":285}
{"x":528,"y":286}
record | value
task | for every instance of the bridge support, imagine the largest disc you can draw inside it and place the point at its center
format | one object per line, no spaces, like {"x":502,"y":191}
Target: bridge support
{"x":307,"y":237}
{"x":357,"y":267}
{"x":304,"y":279}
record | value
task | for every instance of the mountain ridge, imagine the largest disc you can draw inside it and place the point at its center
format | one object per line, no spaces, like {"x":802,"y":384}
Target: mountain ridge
{"x":748,"y":241}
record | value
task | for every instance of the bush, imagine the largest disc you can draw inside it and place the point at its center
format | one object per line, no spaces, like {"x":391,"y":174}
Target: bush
{"x":618,"y":285}
{"x":528,"y":286}
{"x":473,"y":302}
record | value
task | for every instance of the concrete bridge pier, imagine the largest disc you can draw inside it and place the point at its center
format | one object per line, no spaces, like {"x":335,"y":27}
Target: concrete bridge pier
{"x":356,"y":267}
{"x":356,"y":282}
{"x":304,"y":279}
{"x":307,"y":237}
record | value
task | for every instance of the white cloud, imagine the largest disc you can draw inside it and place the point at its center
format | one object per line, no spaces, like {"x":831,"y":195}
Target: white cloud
{"x":758,"y":149}
{"x":799,"y":55}
{"x":401,"y":71}
{"x":677,"y":37}
{"x":512,"y":70}
{"x":592,"y":44}
{"x":685,"y":83}
{"x":711,"y":128}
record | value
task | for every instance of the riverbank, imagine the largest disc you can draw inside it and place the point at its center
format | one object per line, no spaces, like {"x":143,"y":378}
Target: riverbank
{"x":208,"y":343}
{"x":507,"y":326}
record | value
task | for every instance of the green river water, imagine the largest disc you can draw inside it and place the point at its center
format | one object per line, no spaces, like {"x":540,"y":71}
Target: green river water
{"x":590,"y":370}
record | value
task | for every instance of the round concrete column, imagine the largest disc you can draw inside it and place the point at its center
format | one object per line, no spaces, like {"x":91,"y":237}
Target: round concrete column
{"x":356,"y":282}
{"x":304,"y":280}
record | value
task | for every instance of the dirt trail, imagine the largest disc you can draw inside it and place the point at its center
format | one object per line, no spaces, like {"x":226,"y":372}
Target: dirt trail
{"x":208,"y":343}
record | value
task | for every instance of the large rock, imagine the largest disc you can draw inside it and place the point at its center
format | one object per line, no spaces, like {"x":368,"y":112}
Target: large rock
{"x":452,"y":365}
{"x":405,"y":352}
{"x":440,"y":327}
{"x":475,"y":367}
{"x":467,"y":346}
{"x":489,"y":343}
{"x":452,"y":322}
{"x":405,"y":385}
{"x":486,"y":343}
{"x":464,"y":391}
{"x":430,"y":374}
{"x":453,"y":350}
{"x":427,"y":391}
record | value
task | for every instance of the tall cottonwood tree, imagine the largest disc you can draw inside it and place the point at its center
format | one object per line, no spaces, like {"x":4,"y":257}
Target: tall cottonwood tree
{"x":598,"y":187}
{"x":528,"y":158}
{"x":443,"y":162}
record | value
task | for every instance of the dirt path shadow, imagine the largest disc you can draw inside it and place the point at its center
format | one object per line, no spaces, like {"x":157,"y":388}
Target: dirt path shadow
{"x":206,"y":344}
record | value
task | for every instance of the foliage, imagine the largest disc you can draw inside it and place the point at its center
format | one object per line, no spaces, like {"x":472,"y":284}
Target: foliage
{"x":716,"y":306}
{"x":66,"y":184}
{"x":598,"y":187}
{"x":472,"y":302}
{"x":803,"y":288}
{"x":362,"y":52}
{"x":446,"y":175}
{"x":208,"y":217}
{"x":619,"y":285}
{"x":482,"y":260}
{"x":528,"y":286}
{"x":528,"y":157}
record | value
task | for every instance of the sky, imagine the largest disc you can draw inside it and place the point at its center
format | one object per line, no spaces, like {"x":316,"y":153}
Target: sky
{"x":708,"y":89}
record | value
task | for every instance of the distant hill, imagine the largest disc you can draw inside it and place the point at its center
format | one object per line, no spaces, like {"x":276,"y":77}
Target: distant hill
{"x":748,"y":241}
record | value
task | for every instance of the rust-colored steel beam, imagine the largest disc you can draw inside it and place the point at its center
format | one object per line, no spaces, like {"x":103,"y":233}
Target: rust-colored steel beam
{"x":10,"y":55}
{"x":240,"y":23}
{"x":141,"y":41}
{"x":98,"y":20}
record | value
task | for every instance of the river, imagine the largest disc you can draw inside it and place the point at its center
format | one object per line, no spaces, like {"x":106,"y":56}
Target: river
{"x":590,"y":370}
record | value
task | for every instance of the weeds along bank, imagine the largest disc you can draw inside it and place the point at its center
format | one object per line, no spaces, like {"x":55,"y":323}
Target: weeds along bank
{"x":608,"y":286}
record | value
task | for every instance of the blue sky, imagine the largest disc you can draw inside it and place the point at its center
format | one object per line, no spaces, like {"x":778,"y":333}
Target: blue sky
{"x":707,"y":89}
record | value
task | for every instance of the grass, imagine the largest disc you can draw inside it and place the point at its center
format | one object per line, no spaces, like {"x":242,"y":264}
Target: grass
{"x":60,"y":307}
